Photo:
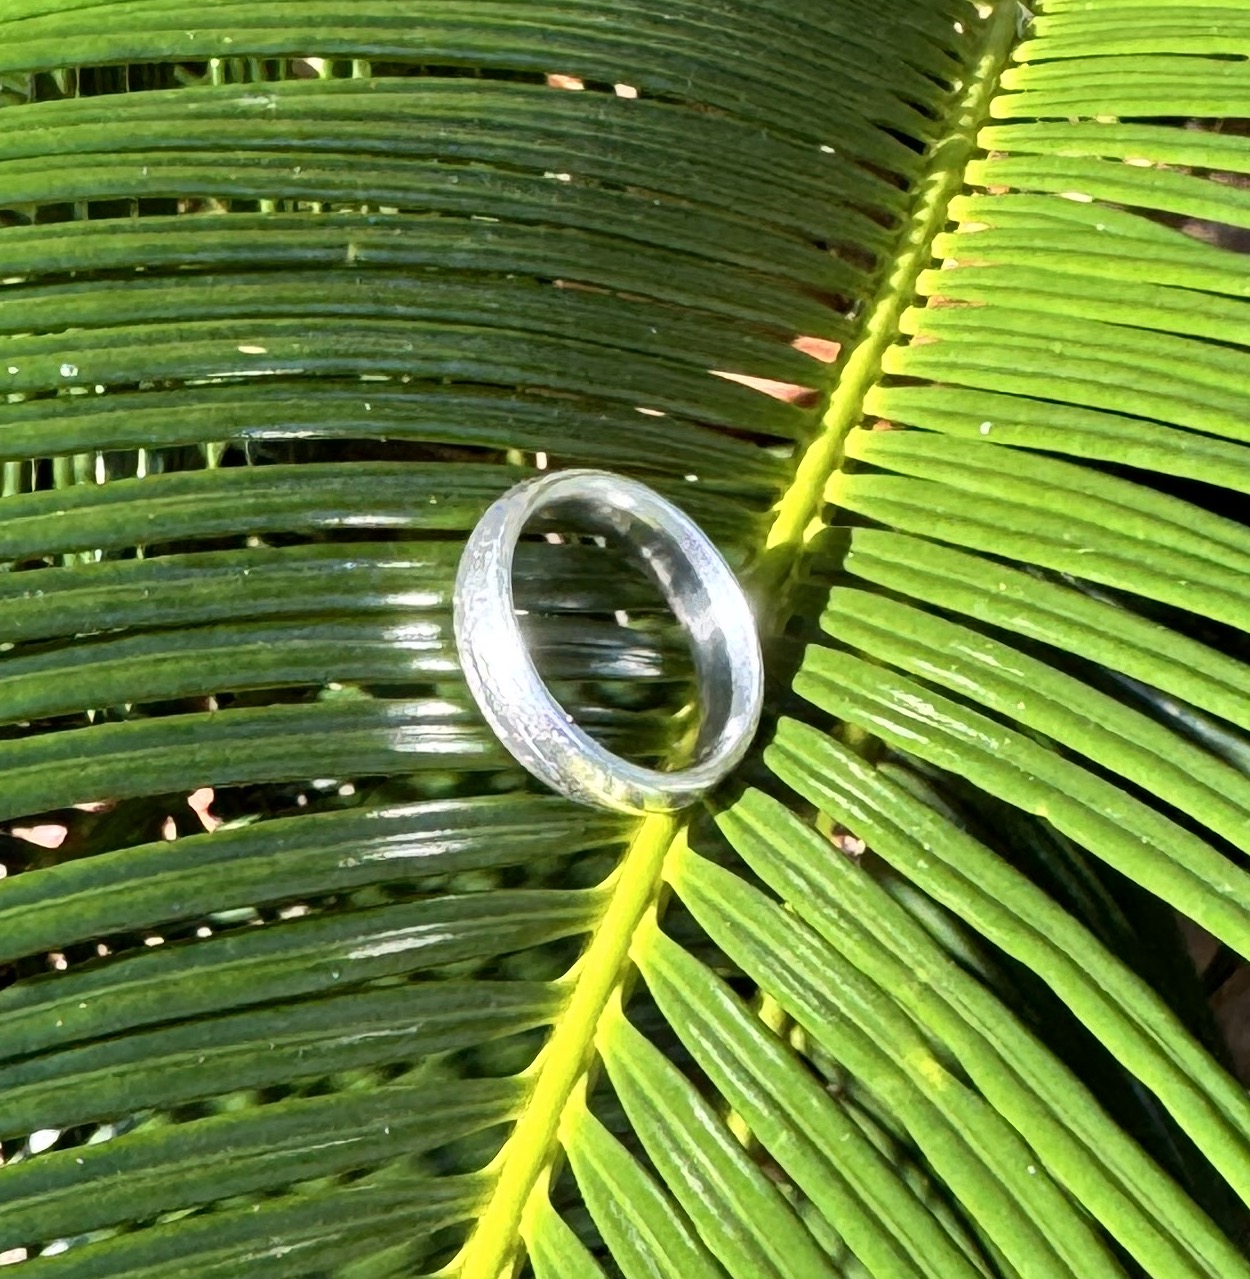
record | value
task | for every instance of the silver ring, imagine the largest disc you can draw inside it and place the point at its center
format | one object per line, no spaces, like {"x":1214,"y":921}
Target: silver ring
{"x":703,"y":594}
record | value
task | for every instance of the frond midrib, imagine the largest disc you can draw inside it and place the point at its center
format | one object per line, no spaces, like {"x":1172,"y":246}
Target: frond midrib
{"x":565,"y":1058}
{"x":861,"y":370}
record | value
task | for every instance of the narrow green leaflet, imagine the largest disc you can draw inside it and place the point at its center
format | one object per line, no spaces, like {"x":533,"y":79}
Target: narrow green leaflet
{"x":741,"y":1214}
{"x":555,"y":1251}
{"x":242,"y":1153}
{"x":1104,"y":1170}
{"x":828,"y":1156}
{"x":998,"y":1179}
{"x":647,"y":1233}
{"x":173,"y":1065}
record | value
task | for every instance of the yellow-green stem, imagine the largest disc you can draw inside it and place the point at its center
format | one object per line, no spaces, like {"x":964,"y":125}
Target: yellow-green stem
{"x":490,"y":1250}
{"x":799,"y":509}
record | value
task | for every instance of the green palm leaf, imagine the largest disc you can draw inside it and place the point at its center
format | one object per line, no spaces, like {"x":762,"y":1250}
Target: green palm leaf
{"x":292,"y":294}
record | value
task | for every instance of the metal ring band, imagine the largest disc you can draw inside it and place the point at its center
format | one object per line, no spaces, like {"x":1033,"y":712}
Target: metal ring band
{"x":703,"y":594}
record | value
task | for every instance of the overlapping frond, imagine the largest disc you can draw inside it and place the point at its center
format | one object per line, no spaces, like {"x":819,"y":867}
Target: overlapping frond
{"x":290,"y":297}
{"x":291,"y":294}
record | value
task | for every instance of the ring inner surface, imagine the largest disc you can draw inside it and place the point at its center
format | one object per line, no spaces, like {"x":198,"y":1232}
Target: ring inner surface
{"x":666,"y":564}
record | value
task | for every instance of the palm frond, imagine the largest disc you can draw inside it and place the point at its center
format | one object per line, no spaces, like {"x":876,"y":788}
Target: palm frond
{"x":291,"y":296}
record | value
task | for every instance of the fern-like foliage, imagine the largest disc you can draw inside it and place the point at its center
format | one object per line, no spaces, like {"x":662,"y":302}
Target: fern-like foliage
{"x":932,"y":314}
